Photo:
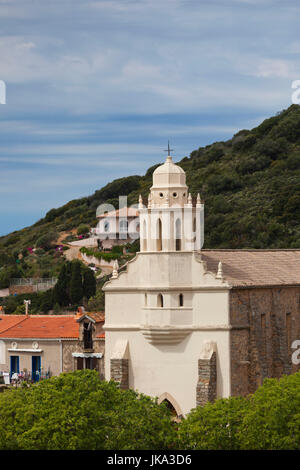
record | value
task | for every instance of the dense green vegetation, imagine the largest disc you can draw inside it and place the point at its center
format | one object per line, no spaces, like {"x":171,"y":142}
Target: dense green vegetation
{"x":250,"y":185}
{"x":78,"y":411}
{"x":268,"y":419}
{"x":76,"y":285}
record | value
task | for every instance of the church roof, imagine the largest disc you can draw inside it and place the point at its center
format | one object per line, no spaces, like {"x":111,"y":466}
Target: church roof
{"x":169,"y":175}
{"x":255,"y":268}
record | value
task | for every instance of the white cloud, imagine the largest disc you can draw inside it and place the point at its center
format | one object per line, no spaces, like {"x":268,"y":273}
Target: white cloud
{"x":273,"y":68}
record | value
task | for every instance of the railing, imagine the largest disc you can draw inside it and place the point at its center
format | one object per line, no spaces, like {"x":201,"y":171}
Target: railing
{"x":17,"y":378}
{"x":38,"y":284}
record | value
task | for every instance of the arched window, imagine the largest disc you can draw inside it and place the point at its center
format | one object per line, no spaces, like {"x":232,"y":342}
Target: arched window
{"x":106,"y":227}
{"x":146,"y":300}
{"x":159,"y":236}
{"x":160,"y":300}
{"x":180,"y":300}
{"x":178,"y":234}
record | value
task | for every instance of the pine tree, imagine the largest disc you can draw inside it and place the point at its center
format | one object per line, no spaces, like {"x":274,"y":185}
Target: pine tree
{"x":61,"y":289}
{"x":76,"y":289}
{"x":89,"y":283}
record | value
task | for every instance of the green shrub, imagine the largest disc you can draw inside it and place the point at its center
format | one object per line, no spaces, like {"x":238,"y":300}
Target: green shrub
{"x":77,"y":411}
{"x":267,"y":420}
{"x":83,"y":229}
{"x":46,"y":240}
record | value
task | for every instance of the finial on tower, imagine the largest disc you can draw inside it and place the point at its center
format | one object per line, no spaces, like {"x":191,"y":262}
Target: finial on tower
{"x":198,"y":200}
{"x":115,"y":273}
{"x":220,"y":271}
{"x":140,"y":201}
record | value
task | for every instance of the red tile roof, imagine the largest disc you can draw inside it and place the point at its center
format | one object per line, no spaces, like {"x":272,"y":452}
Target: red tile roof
{"x":97,"y":316}
{"x":8,"y":321}
{"x":124,"y":212}
{"x":39,"y":326}
{"x":251,"y":268}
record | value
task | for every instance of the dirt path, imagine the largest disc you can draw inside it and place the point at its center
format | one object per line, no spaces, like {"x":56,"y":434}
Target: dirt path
{"x":73,"y":251}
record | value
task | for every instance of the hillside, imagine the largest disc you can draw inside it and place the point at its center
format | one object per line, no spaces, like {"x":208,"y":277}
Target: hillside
{"x":250,"y":185}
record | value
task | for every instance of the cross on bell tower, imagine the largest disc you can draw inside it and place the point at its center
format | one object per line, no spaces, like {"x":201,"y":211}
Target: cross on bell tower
{"x":169,"y":150}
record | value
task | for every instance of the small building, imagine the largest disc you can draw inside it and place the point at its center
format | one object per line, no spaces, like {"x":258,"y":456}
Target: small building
{"x":117,"y":227}
{"x":39,"y":346}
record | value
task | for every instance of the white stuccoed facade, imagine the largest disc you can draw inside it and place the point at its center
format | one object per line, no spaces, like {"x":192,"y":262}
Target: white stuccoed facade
{"x":166,"y":311}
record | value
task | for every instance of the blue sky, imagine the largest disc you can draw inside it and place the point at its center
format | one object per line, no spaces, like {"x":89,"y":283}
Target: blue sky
{"x":96,"y":88}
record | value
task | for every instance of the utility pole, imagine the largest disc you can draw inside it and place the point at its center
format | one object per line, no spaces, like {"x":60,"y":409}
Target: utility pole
{"x":27,"y":303}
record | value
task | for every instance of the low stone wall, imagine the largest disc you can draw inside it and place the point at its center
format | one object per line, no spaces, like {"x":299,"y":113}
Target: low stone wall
{"x":96,"y":261}
{"x":22,"y":289}
{"x":87,"y":242}
{"x":4,"y":292}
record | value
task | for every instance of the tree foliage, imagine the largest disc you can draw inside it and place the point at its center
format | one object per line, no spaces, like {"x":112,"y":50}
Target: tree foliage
{"x":89,"y":283}
{"x":78,"y":411}
{"x":267,"y":420}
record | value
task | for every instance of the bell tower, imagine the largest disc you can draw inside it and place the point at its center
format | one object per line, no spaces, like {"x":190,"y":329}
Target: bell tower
{"x":171,"y":222}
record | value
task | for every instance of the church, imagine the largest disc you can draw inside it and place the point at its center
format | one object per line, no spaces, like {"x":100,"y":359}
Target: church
{"x":189,"y":325}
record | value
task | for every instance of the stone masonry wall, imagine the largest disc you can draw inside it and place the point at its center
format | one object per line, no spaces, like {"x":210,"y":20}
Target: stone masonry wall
{"x":265,"y":322}
{"x":119,"y":372}
{"x":29,"y":289}
{"x":207,"y":380}
{"x":72,"y":346}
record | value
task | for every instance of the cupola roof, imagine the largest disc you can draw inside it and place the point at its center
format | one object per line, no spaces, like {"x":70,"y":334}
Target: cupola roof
{"x":168,"y":175}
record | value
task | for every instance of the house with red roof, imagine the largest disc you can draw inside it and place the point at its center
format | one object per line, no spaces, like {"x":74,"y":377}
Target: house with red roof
{"x":117,"y":227}
{"x":38,"y":346}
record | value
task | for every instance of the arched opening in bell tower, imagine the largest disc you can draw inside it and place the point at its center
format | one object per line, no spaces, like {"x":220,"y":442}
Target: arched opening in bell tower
{"x":160,"y":300}
{"x":159,"y":236}
{"x":144,"y":236}
{"x":178,"y":235}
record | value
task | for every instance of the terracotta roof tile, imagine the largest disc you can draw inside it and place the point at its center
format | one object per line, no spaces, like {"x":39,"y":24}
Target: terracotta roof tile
{"x":8,"y":321}
{"x":256,"y":267}
{"x":124,"y":212}
{"x":97,"y":316}
{"x":41,"y":326}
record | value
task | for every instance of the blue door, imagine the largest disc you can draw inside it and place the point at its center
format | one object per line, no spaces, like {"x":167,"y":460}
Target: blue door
{"x":36,"y":368}
{"x":14,"y":365}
